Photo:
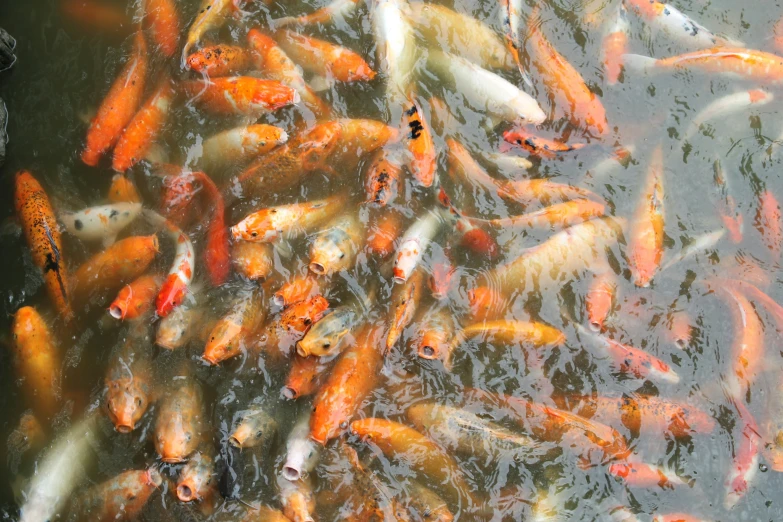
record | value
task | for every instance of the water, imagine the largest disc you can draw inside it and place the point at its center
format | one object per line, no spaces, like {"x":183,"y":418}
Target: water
{"x":65,"y":69}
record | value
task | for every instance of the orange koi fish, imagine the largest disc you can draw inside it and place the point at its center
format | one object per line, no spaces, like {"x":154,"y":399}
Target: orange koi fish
{"x":123,"y":496}
{"x":143,"y":129}
{"x":243,"y":95}
{"x":300,"y":288}
{"x":383,"y":235}
{"x":162,"y":21}
{"x":122,"y":190}
{"x":197,"y":480}
{"x":727,"y":207}
{"x":643,"y":475}
{"x":274,"y":61}
{"x":419,"y":452}
{"x":441,"y":280}
{"x":108,"y":271}
{"x":297,"y":319}
{"x":271,"y":224}
{"x":221,"y":60}
{"x":485,"y":303}
{"x":239,"y":145}
{"x":136,"y":298}
{"x":405,"y":300}
{"x":553,"y":217}
{"x":212,"y":14}
{"x":231,"y":334}
{"x":178,"y":202}
{"x":297,"y":499}
{"x":473,"y":237}
{"x":128,"y":382}
{"x":678,"y":517}
{"x":254,"y":428}
{"x":254,"y":261}
{"x":566,"y":85}
{"x":538,"y":146}
{"x":37,"y":361}
{"x":769,"y":224}
{"x":338,"y":9}
{"x":43,"y":238}
{"x":181,"y":420}
{"x":335,"y":248}
{"x":645,"y":247}
{"x":350,"y":382}
{"x":420,"y":145}
{"x":324,"y":58}
{"x":119,"y":106}
{"x":216,"y":251}
{"x":614,"y":46}
{"x":383,"y":179}
{"x":679,"y":329}
{"x":435,"y":332}
{"x":306,"y":376}
{"x":599,"y":299}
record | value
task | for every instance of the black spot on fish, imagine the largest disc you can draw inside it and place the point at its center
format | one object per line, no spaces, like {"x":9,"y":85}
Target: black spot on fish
{"x":411,"y":111}
{"x":53,"y":259}
{"x":78,"y":225}
{"x":416,"y":129}
{"x":113,"y":214}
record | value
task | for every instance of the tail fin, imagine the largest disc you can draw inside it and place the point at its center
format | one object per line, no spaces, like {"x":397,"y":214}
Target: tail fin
{"x":639,"y":63}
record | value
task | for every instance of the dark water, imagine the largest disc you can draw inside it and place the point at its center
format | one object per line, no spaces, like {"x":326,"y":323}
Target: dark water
{"x":63,"y":72}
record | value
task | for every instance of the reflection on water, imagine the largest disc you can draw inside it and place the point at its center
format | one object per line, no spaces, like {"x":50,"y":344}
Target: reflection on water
{"x":533,"y":363}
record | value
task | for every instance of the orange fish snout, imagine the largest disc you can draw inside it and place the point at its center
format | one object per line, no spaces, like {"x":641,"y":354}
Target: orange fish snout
{"x":126,"y":405}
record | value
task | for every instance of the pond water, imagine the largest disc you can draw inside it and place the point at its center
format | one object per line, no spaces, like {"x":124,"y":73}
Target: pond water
{"x":65,"y":68}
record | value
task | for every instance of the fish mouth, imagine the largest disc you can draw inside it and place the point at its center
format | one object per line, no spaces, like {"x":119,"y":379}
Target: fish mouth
{"x":290,"y":393}
{"x":428,"y":351}
{"x":172,"y":460}
{"x":301,"y":352}
{"x":185,"y":493}
{"x":595,"y":326}
{"x":291,"y":473}
{"x":124,"y":428}
{"x":117,"y":312}
{"x":317,"y":268}
{"x":210,"y":359}
{"x":279,"y":300}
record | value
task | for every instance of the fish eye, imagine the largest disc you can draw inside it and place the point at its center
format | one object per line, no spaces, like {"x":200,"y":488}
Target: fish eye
{"x":259,"y":434}
{"x":131,"y":498}
{"x":254,"y":234}
{"x":327,"y":345}
{"x":139,"y":402}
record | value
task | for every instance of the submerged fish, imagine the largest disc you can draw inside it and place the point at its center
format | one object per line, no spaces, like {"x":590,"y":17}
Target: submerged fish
{"x":37,"y":361}
{"x":122,"y":496}
{"x":101,"y":223}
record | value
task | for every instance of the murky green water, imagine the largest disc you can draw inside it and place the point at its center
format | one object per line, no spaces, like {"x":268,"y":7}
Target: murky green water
{"x":62,"y":74}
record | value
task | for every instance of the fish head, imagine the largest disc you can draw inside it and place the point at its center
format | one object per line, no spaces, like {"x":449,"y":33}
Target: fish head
{"x":127,"y":400}
{"x":260,"y":226}
{"x":773,"y":447}
{"x":196,"y":479}
{"x":435,"y":343}
{"x":318,"y":144}
{"x":173,"y":330}
{"x":136,"y":490}
{"x":224,"y":341}
{"x":255,"y":429}
{"x":324,"y":338}
{"x":171,"y":295}
{"x":178,"y":193}
{"x":174,"y":441}
{"x":330,"y":253}
{"x":298,"y":319}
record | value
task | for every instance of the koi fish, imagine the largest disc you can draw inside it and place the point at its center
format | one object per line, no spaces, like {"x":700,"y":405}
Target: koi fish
{"x":769,"y":224}
{"x":143,"y":129}
{"x":97,"y":15}
{"x":337,"y":10}
{"x":725,"y":106}
{"x":101,"y":223}
{"x":405,"y":300}
{"x":296,"y":290}
{"x":745,"y":456}
{"x":326,"y":336}
{"x":420,"y":146}
{"x":700,"y":244}
{"x":305,"y":376}
{"x":297,"y":319}
{"x":435,"y":331}
{"x":553,"y":217}
{"x":414,"y":243}
{"x":350,"y":382}
{"x":634,"y":361}
{"x":419,"y":452}
{"x":119,"y":106}
{"x":136,"y":298}
{"x":106,"y":272}
{"x":510,"y":13}
{"x":538,"y":146}
{"x":744,"y":64}
{"x":772,"y":425}
{"x":197,"y":479}
{"x":177,"y":328}
{"x":28,"y":435}
{"x":486,"y":91}
{"x":232,"y":332}
{"x":181,"y":423}
{"x":274,"y":61}
{"x":243,"y":95}
{"x":383,"y":235}
{"x":255,"y":428}
{"x":643,"y":475}
{"x":129,"y":390}
{"x":122,"y":190}
{"x":335,"y":248}
{"x":220,"y":60}
{"x":323,"y":58}
{"x":727,"y":207}
{"x":239,"y":145}
{"x":176,"y":285}
{"x":37,"y":361}
{"x":178,"y":201}
{"x":565,"y":84}
{"x":43,"y":238}
{"x":383,"y":179}
{"x":599,"y":299}
{"x":297,"y":499}
{"x":426,"y":504}
{"x":301,"y":452}
{"x":441,"y":280}
{"x":464,"y":34}
{"x":396,"y":49}
{"x":216,"y":251}
{"x":163,"y":23}
{"x":253,"y":261}
{"x":645,"y":247}
{"x":271,"y":224}
{"x":614,"y":46}
{"x":122,"y":496}
{"x":679,"y":331}
{"x":678,"y":517}
{"x":212,"y":14}
{"x":485,"y":303}
{"x":677,"y":24}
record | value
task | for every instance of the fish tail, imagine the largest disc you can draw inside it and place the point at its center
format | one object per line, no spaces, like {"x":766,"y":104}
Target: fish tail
{"x":639,"y":63}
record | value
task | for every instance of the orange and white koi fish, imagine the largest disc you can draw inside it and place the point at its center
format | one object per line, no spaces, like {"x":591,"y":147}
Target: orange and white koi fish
{"x":677,"y":24}
{"x":122,"y":190}
{"x":274,"y":61}
{"x":745,"y":456}
{"x":553,"y":217}
{"x":143,"y":129}
{"x":305,"y":376}
{"x":738,"y":102}
{"x":43,"y":238}
{"x":383,"y":179}
{"x":106,"y":272}
{"x":323,"y":58}
{"x":119,"y":106}
{"x":128,"y":382}
{"x":727,"y":207}
{"x":565,"y":84}
{"x":350,"y":382}
{"x":485,"y":90}
{"x":122,"y":496}
{"x":740,"y":63}
{"x":197,"y":480}
{"x":136,"y":298}
{"x":162,"y":20}
{"x":628,"y":359}
{"x":414,"y":243}
{"x":37,"y":361}
{"x":335,"y":248}
{"x":181,"y":419}
{"x":510,"y":13}
{"x":337,"y":10}
{"x":463,"y":34}
{"x":769,"y":223}
{"x":301,"y":452}
{"x":243,"y":95}
{"x":240,"y":145}
{"x":176,"y":285}
{"x":297,"y":290}
{"x":599,"y":299}
{"x":645,"y":245}
{"x":396,"y":49}
{"x":419,"y":452}
{"x":644,"y":475}
{"x":751,"y":291}
{"x":221,"y":60}
{"x":271,"y":224}
{"x":614,"y":46}
{"x":420,"y":145}
{"x":101,"y":223}
{"x":297,"y":319}
{"x":253,"y":261}
{"x":538,"y":146}
{"x":212,"y":14}
{"x":230,"y":336}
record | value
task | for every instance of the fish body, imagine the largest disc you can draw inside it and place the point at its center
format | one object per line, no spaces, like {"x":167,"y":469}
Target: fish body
{"x":256,"y":428}
{"x":301,"y":452}
{"x":727,"y":206}
{"x":197,"y":480}
{"x":270,"y":224}
{"x":101,"y":223}
{"x":383,"y":179}
{"x":420,"y":146}
{"x":43,"y":238}
{"x":383,"y":235}
{"x":179,"y":202}
{"x":326,"y":336}
{"x":725,"y":106}
{"x":324,"y":58}
{"x":37,"y":361}
{"x":242,"y":95}
{"x":122,"y":190}
{"x":745,"y":457}
{"x":239,"y":145}
{"x":643,"y":475}
{"x":414,"y":243}
{"x":485,"y":90}
{"x":552,"y":217}
{"x":162,"y":20}
{"x":212,"y":14}
{"x":614,"y":46}
{"x":599,"y":299}
{"x":350,"y":382}
{"x":119,"y":106}
{"x":645,"y":247}
{"x":396,"y":48}
{"x":427,"y":505}
{"x":128,"y":382}
{"x":486,"y":303}
{"x":769,"y":223}
{"x":297,"y":499}
{"x":121,"y":497}
{"x":335,"y":248}
{"x":136,"y":298}
{"x":771,"y":424}
{"x":181,"y":422}
{"x":436,"y":329}
{"x":539,"y":146}
{"x":405,"y":300}
{"x":337,"y":10}
{"x":254,"y":261}
{"x":220,"y":60}
{"x":140,"y":133}
{"x":232,"y":332}
{"x":176,"y":285}
{"x":216,"y":250}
